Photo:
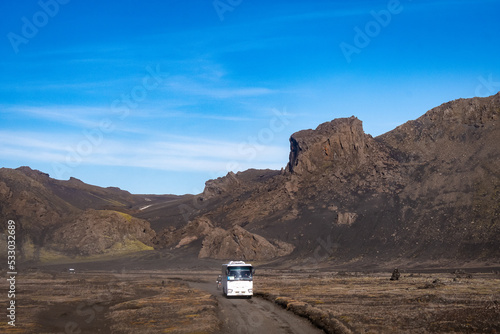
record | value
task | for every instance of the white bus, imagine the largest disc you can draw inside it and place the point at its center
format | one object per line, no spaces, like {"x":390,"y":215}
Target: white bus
{"x":237,"y":279}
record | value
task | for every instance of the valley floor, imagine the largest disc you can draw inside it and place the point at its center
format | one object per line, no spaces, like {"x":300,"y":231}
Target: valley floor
{"x":109,"y":302}
{"x":183,"y":301}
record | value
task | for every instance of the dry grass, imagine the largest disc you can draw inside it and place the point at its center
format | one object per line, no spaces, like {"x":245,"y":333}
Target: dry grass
{"x":440,"y":303}
{"x":157,"y":302}
{"x":105,"y":303}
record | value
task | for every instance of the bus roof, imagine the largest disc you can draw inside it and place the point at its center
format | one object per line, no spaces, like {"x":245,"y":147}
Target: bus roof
{"x":238,"y":263}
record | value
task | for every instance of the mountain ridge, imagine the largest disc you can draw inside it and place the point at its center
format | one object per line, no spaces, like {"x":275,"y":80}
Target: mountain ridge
{"x":426,"y":191}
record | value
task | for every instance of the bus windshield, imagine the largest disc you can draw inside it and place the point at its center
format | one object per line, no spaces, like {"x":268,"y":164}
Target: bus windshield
{"x":243,"y":273}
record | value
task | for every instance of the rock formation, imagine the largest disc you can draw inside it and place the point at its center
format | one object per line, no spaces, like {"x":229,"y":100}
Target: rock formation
{"x":237,"y":243}
{"x":218,"y":243}
{"x":102,"y":231}
{"x":339,"y":144}
{"x":427,"y":190}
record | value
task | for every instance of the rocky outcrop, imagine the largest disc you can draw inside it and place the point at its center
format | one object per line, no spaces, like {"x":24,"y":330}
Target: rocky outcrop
{"x":340,"y":147}
{"x":237,"y":243}
{"x":220,"y":185}
{"x":237,"y":183}
{"x":180,"y":237}
{"x":219,"y":243}
{"x":337,"y":153}
{"x":340,"y":143}
{"x":101,"y":231}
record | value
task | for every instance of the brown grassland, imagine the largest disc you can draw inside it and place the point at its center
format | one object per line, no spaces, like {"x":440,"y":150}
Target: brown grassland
{"x":163,"y":301}
{"x":371,"y":303}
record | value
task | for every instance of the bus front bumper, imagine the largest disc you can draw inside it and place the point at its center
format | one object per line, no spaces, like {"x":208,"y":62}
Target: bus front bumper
{"x":239,"y":292}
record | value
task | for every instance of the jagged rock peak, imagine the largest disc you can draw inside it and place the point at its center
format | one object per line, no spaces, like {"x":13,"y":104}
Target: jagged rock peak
{"x":339,"y":142}
{"x":33,"y":173}
{"x":235,"y":183}
{"x":220,"y":185}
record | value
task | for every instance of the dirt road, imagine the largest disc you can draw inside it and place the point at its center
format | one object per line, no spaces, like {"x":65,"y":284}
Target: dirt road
{"x":255,"y":315}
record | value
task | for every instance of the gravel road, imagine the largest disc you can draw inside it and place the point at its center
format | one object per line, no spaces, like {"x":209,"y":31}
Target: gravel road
{"x":255,"y":315}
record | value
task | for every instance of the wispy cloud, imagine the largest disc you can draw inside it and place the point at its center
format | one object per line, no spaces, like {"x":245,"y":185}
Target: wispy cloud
{"x":178,"y":154}
{"x":82,"y":116}
{"x":211,"y":89}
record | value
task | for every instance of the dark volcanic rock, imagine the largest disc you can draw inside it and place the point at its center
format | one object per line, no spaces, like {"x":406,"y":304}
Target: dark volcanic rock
{"x":448,"y":131}
{"x":218,"y":243}
{"x":450,"y":157}
{"x":427,"y":190}
{"x":221,"y":185}
{"x":237,"y":243}
{"x":192,"y":231}
{"x":339,"y":144}
{"x":32,"y":206}
{"x":237,"y":183}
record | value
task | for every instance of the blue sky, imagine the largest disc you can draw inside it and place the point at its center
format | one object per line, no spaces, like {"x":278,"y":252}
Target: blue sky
{"x":160,"y":96}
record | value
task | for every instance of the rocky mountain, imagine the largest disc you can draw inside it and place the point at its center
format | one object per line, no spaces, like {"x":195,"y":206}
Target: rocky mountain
{"x":428,"y":190}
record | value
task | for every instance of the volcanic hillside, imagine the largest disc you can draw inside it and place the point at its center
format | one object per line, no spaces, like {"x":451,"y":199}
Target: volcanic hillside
{"x":425,"y":191}
{"x":430,"y":189}
{"x":70,"y":218}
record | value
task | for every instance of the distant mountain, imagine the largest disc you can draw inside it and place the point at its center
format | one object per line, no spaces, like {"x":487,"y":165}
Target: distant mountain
{"x":427,"y":191}
{"x":56,"y":218}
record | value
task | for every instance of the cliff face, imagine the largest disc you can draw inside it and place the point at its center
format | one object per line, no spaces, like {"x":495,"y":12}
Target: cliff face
{"x":339,"y":156}
{"x":339,"y":144}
